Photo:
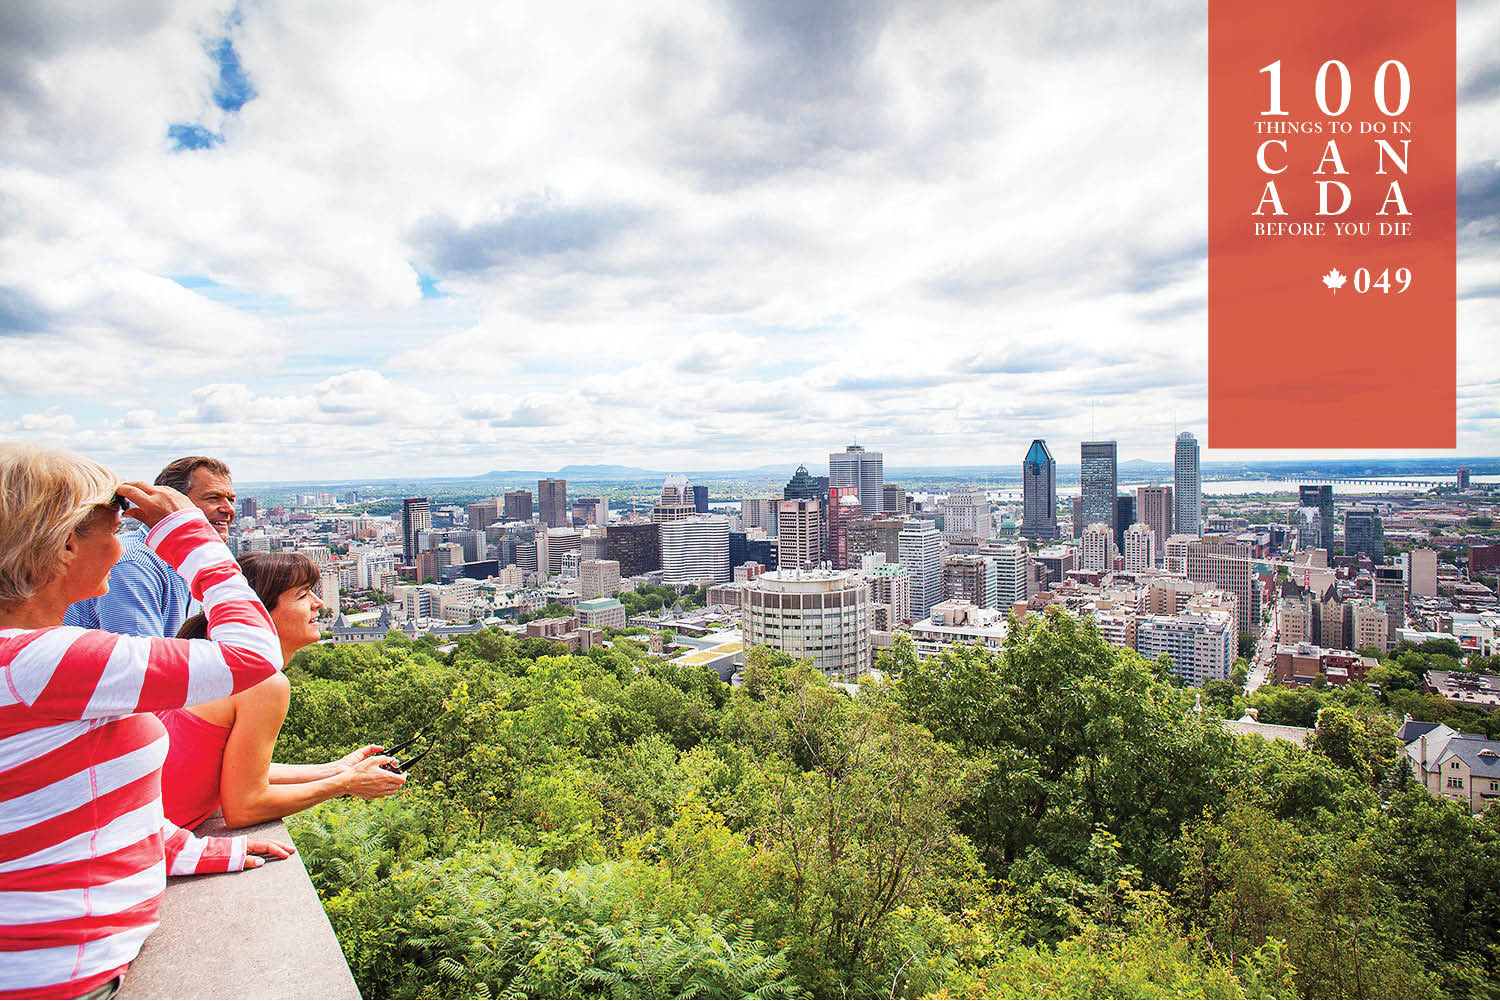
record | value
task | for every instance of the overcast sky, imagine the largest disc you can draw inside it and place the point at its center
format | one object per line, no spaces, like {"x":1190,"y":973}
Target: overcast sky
{"x":364,"y":239}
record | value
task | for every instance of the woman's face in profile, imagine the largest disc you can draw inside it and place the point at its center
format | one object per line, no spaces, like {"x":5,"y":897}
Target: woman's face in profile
{"x":296,"y":617}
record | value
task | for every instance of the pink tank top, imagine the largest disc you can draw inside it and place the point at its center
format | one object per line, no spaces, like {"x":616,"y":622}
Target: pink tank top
{"x":190,"y":775}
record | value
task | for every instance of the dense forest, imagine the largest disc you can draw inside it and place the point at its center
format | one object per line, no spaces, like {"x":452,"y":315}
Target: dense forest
{"x":1054,"y":820}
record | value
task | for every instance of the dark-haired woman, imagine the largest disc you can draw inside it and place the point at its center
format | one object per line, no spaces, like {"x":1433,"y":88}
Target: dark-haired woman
{"x":220,"y":752}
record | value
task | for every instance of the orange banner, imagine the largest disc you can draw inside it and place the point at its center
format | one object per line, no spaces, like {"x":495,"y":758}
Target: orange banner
{"x":1331,"y":224}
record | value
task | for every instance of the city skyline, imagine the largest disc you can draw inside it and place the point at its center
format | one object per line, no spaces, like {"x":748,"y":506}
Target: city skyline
{"x":316,"y":243}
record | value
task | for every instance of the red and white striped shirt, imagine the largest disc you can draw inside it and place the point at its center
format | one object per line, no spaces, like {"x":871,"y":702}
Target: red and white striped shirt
{"x":84,"y":847}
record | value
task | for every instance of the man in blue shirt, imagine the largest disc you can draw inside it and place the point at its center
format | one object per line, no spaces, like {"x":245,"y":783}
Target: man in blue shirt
{"x":146,"y":596}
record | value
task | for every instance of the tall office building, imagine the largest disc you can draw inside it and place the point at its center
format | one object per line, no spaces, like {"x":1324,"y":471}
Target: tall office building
{"x":676,"y":501}
{"x":700,"y":499}
{"x":922,"y":555}
{"x":695,"y":549}
{"x":1153,"y":508}
{"x":416,"y":516}
{"x":636,"y":547}
{"x":1364,"y":532}
{"x":966,"y":515}
{"x":517,"y":506}
{"x":484,"y":514}
{"x":1124,"y":518}
{"x":1099,"y":477}
{"x":1319,"y":498}
{"x":880,"y":534}
{"x":854,"y":467}
{"x":552,"y":498}
{"x":799,"y":534}
{"x":759,"y":512}
{"x":843,"y":507}
{"x":1012,"y":575}
{"x":1188,"y":518}
{"x":804,"y":486}
{"x":892,"y":499}
{"x":1039,"y":493}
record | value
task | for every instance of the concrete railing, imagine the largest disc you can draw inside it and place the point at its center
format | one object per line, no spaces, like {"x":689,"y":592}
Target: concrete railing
{"x":257,"y":934}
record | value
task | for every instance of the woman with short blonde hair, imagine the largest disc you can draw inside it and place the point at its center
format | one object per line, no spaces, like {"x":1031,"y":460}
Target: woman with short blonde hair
{"x":84,"y":848}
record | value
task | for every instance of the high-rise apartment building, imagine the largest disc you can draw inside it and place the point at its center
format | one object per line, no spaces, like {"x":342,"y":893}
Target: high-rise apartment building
{"x":1225,"y":563}
{"x":1188,"y":515}
{"x":1364,"y":532}
{"x":854,"y":467}
{"x":1153,"y":508}
{"x":1319,"y":499}
{"x":1039,"y":493}
{"x":1463,"y":478}
{"x":971,"y":579}
{"x":922,"y":555}
{"x":1099,"y":477}
{"x":1140,"y":547}
{"x":416,"y":516}
{"x":890,"y":595}
{"x":517,"y":506}
{"x":843,"y":507}
{"x":598,"y":578}
{"x":1098,"y":547}
{"x":966,"y":515}
{"x":799,"y":534}
{"x":695,"y":549}
{"x":552,"y":498}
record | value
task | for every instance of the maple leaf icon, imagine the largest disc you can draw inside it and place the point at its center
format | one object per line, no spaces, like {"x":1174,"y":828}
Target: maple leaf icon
{"x":1334,"y":279}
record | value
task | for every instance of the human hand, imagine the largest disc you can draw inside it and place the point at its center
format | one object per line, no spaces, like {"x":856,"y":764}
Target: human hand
{"x":150,"y":504}
{"x":259,"y":851}
{"x":355,"y":757}
{"x":370,"y":779}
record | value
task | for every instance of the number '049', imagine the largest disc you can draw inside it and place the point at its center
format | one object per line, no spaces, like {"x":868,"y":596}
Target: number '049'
{"x":1385,"y":282}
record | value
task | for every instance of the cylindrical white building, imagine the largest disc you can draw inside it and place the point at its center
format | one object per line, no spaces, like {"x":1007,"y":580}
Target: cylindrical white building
{"x":822,"y":616}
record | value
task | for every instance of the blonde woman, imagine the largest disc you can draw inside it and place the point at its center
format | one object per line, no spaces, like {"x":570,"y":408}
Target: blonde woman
{"x":84,"y":847}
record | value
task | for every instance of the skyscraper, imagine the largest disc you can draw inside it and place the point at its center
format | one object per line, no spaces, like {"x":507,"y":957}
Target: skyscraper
{"x":966,"y":515}
{"x":695,"y":549}
{"x":1098,"y":547}
{"x":1364,"y":532}
{"x":922,"y":555}
{"x":416,"y":516}
{"x":700,"y":499}
{"x":854,"y":467}
{"x":1153,"y":508}
{"x":552,"y":498}
{"x":804,"y":486}
{"x":1189,"y":487}
{"x":1320,"y":498}
{"x":843,"y":507}
{"x":1098,"y":475}
{"x":1124,"y":518}
{"x":799,"y":534}
{"x":1039,"y":493}
{"x":892,"y":499}
{"x":517,"y":505}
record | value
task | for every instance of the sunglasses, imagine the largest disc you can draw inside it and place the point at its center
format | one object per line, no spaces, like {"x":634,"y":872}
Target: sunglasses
{"x":118,"y":503}
{"x":402,"y":766}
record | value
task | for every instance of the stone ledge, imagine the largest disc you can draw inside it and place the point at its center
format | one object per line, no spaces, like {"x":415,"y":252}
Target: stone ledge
{"x":257,"y":934}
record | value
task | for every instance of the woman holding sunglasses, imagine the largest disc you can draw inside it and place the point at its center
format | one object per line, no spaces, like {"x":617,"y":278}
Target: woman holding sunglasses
{"x":220,"y":751}
{"x":84,"y":848}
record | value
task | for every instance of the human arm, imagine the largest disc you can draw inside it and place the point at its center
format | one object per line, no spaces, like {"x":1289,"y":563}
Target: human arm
{"x":70,"y":673}
{"x":247,"y":792}
{"x":308,"y":773}
{"x":189,"y":855}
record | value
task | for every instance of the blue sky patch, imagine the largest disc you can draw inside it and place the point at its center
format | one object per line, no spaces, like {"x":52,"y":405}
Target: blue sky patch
{"x":189,"y":136}
{"x":233,"y":89}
